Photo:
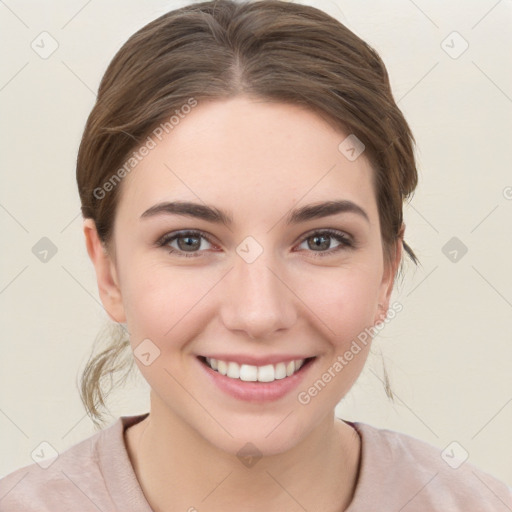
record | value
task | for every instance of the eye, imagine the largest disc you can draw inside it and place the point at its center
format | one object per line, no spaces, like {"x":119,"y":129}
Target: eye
{"x":188,"y":242}
{"x":321,"y":240}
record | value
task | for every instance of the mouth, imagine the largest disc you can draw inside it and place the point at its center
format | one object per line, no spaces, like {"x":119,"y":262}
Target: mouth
{"x":267,"y":373}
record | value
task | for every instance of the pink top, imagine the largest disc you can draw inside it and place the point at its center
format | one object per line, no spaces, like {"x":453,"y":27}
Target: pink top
{"x":397,"y":473}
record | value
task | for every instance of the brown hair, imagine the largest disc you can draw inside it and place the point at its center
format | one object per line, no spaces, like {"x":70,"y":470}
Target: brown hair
{"x":270,"y":49}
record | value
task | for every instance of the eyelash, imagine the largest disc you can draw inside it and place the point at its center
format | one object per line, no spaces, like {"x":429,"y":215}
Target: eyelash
{"x":345,"y":242}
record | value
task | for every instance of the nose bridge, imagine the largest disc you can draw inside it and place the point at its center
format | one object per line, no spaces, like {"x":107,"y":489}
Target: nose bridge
{"x":256,"y":300}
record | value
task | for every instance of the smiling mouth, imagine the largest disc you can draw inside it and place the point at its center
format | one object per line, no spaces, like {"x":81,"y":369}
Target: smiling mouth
{"x":251,"y":373}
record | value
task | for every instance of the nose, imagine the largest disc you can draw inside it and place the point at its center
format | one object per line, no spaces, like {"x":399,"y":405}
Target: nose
{"x":256,"y":299}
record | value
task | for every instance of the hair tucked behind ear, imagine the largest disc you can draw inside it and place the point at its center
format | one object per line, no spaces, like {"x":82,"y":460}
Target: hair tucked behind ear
{"x":269,"y":49}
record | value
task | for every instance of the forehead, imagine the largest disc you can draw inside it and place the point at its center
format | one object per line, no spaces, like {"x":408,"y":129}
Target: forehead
{"x":243,"y":152}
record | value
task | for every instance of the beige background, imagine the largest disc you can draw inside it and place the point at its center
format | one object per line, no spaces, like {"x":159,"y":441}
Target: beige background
{"x":448,"y":352}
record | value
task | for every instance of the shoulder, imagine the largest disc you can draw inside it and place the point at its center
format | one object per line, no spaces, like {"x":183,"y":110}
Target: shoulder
{"x":410,"y":474}
{"x":72,"y":480}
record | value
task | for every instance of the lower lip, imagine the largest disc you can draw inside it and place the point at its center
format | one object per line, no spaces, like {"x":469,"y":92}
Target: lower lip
{"x":256,"y":391}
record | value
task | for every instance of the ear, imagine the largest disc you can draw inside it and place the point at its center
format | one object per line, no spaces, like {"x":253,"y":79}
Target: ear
{"x":388,"y":278}
{"x":106,"y":276}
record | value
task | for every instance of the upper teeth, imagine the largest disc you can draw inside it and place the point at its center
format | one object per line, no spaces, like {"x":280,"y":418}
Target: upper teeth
{"x":247,"y":372}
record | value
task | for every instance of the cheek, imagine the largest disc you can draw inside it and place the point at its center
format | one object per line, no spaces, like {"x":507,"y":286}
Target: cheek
{"x":344,"y":303}
{"x":161,"y":302}
{"x":344,"y":300}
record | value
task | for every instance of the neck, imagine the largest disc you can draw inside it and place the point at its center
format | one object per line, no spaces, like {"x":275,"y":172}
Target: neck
{"x":179,"y":470}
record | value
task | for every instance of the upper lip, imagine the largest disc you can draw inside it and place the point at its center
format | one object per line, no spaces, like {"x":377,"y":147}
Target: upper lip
{"x":256,"y":361}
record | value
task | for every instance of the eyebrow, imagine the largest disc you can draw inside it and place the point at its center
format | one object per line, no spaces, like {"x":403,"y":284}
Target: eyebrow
{"x":215,"y":215}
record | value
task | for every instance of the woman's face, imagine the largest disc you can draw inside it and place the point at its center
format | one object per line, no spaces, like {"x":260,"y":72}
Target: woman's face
{"x":269,"y":287}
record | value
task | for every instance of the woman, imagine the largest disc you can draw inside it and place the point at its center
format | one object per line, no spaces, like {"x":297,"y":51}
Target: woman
{"x":242,"y":176}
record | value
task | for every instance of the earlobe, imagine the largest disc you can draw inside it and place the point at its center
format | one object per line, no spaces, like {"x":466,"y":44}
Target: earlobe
{"x":106,"y":276}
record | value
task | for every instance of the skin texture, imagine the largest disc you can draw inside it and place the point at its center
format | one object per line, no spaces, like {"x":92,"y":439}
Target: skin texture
{"x":258,"y":160}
